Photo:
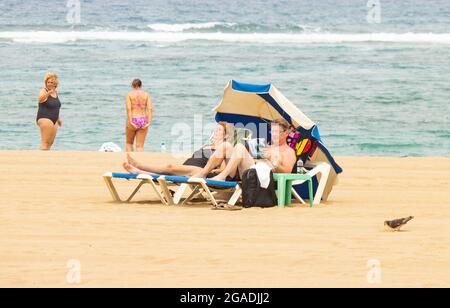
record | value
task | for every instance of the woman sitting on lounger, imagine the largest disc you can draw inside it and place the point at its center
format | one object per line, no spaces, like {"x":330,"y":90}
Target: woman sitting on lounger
{"x":216,"y":154}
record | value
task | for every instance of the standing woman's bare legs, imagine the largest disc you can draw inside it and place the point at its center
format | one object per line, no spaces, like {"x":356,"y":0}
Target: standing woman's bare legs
{"x":48,"y":134}
{"x":141,"y":135}
{"x":130,"y":135}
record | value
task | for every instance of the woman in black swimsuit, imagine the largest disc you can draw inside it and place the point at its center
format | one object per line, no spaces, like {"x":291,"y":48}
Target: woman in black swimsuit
{"x":48,"y":118}
{"x":197,"y":162}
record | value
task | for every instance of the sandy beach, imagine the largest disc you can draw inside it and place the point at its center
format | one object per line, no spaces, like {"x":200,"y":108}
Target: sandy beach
{"x":54,"y":207}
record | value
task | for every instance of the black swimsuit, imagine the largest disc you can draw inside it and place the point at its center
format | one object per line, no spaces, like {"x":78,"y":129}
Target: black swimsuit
{"x":49,"y":109}
{"x":200,"y":158}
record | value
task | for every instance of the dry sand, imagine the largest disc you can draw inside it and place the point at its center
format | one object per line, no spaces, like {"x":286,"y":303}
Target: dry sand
{"x":54,"y":207}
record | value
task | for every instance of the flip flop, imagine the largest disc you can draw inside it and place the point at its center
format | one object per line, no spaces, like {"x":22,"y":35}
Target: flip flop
{"x":226,"y":207}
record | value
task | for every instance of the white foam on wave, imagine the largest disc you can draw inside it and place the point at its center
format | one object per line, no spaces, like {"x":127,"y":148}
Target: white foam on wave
{"x":257,"y":38}
{"x":185,"y":27}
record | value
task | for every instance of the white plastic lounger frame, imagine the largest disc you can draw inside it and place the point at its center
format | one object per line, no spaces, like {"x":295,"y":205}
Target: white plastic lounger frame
{"x":208,"y":190}
{"x":180,"y":192}
{"x":143,"y":178}
{"x":199,"y":186}
{"x":318,"y":168}
{"x":178,"y":196}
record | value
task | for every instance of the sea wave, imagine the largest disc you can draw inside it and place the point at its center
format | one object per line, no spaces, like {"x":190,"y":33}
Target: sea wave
{"x":257,"y":38}
{"x":187,"y":26}
{"x":230,"y":27}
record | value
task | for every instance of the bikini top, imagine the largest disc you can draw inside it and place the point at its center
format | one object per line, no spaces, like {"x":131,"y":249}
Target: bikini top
{"x":137,"y":101}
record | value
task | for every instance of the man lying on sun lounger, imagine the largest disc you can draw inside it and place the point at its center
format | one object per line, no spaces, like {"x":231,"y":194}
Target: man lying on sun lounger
{"x":215,"y":156}
{"x":279,"y":156}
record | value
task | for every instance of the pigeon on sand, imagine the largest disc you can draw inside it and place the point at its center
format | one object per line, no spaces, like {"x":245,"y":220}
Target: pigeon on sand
{"x":396,"y":225}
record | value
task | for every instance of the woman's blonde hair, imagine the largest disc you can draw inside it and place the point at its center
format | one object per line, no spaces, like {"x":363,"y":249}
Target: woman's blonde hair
{"x":229,"y":131}
{"x":49,"y":76}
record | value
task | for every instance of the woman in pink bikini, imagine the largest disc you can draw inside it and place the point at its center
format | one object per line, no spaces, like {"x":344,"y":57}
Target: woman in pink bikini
{"x":139,"y":116}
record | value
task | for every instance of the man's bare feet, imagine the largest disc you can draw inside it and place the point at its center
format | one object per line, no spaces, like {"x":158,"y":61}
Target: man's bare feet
{"x":133,"y":170}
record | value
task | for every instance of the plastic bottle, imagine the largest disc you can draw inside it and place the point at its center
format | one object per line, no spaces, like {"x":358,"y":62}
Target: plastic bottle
{"x":300,"y":166}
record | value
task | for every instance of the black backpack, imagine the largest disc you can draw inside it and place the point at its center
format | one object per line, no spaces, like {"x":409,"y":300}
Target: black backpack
{"x":255,"y":196}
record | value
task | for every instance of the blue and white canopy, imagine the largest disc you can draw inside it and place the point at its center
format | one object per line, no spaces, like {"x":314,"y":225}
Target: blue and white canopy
{"x":250,"y":104}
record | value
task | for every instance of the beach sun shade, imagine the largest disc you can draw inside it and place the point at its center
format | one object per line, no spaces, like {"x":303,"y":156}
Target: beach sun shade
{"x":251,"y":105}
{"x":248,"y":103}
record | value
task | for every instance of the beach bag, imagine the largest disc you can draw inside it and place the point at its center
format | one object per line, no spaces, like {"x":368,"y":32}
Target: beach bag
{"x":255,"y":196}
{"x":304,"y":147}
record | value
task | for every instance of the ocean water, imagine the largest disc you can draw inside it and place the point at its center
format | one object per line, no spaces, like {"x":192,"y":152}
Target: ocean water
{"x":377,"y":85}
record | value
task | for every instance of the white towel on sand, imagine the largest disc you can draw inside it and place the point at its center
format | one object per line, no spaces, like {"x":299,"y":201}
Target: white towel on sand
{"x":263,"y":170}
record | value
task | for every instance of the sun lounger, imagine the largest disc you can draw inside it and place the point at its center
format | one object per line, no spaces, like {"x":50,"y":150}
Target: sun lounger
{"x":315,"y":169}
{"x":199,"y":186}
{"x":204,"y":187}
{"x":143,"y":179}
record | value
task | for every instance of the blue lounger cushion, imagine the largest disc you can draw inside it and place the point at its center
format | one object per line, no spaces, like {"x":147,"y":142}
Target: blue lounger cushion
{"x":221,"y":183}
{"x":173,"y":179}
{"x":129,"y":176}
{"x":176,"y":179}
{"x":185,"y":179}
